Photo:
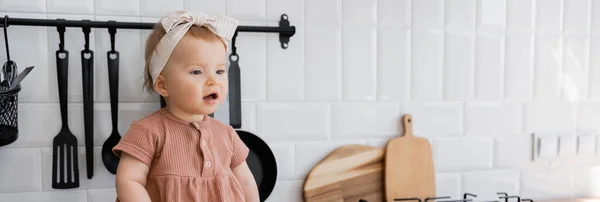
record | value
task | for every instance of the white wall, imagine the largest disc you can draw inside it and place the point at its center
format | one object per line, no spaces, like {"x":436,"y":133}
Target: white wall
{"x":478,"y":76}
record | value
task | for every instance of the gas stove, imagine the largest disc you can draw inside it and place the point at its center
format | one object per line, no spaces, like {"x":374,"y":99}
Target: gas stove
{"x":467,"y":197}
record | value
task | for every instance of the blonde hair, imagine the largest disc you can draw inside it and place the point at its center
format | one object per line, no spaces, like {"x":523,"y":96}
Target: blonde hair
{"x":156,"y":35}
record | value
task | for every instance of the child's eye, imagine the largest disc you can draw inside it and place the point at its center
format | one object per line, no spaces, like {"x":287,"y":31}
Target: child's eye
{"x":221,"y":72}
{"x":196,"y":72}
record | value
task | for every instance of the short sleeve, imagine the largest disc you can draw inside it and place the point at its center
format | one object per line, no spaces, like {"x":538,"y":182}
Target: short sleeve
{"x":240,"y":150}
{"x":139,"y":141}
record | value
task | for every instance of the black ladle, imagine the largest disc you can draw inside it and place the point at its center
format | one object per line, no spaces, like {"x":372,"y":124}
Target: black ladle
{"x":111,"y":161}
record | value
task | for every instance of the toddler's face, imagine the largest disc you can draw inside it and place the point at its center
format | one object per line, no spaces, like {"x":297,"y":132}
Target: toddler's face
{"x":196,"y":75}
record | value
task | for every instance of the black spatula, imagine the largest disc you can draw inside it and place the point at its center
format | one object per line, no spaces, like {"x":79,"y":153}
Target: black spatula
{"x":110,"y":160}
{"x":64,"y":154}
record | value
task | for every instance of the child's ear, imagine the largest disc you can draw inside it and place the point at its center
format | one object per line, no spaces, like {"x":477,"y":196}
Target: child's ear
{"x":160,"y":86}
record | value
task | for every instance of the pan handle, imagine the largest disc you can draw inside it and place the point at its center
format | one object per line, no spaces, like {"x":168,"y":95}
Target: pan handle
{"x":235,"y":100}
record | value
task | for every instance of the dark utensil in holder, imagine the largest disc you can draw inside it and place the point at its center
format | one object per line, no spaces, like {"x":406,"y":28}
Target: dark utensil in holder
{"x":9,"y":119}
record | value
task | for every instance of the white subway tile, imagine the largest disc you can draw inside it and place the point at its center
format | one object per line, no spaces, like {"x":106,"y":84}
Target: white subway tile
{"x":463,"y":153}
{"x":585,"y":183}
{"x":206,"y":6}
{"x":294,"y":9}
{"x":512,"y":151}
{"x":393,"y":60}
{"x":320,"y":12}
{"x":460,"y":15}
{"x":71,"y":6}
{"x":550,"y":116}
{"x":448,"y":184}
{"x":594,"y":67}
{"x":426,"y":64}
{"x":159,"y":8}
{"x":252,"y":54}
{"x":20,"y":170}
{"x":489,"y":67}
{"x":285,"y":157}
{"x":74,"y":41}
{"x":549,"y":16}
{"x":491,"y":15}
{"x":588,"y":116}
{"x":131,"y":64}
{"x":35,"y":122}
{"x":101,"y":195}
{"x":567,"y":146}
{"x":359,"y":64}
{"x":428,"y":14}
{"x":309,"y":154}
{"x":493,"y":118}
{"x":574,"y":78}
{"x":108,"y":7}
{"x":577,"y":16}
{"x":437,"y":119}
{"x":359,"y":12}
{"x":38,"y":6}
{"x":486,"y":184}
{"x":248,"y":10}
{"x":365,"y":120}
{"x":49,"y":196}
{"x":520,"y":16}
{"x":518,"y":74}
{"x":459,"y":57}
{"x":548,"y":63}
{"x":293,"y":121}
{"x":394,"y":12}
{"x":595,"y":17}
{"x":547,"y":183}
{"x":286,"y":190}
{"x":323,"y":74}
{"x":28,"y":47}
{"x":285,"y":67}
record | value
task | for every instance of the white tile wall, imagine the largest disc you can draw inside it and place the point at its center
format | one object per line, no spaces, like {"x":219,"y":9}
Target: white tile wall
{"x":478,"y":76}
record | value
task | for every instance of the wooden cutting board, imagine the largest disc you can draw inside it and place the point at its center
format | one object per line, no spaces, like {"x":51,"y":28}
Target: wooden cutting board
{"x":349,"y":173}
{"x":409,"y":169}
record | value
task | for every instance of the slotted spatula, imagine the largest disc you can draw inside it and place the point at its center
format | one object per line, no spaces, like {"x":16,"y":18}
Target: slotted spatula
{"x":409,"y":168}
{"x":65,"y":143}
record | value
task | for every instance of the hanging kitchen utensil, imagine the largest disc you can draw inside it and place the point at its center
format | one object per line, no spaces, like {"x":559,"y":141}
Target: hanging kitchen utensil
{"x":261,"y":159}
{"x":349,"y":173}
{"x":111,"y":161}
{"x":9,"y":69}
{"x":87,"y":71}
{"x":65,"y":143}
{"x":409,"y":168}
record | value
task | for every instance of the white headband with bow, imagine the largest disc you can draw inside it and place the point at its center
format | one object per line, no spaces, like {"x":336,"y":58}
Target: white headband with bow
{"x":176,"y":25}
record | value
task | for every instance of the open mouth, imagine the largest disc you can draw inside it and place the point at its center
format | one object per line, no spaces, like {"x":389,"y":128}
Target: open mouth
{"x":212,"y":96}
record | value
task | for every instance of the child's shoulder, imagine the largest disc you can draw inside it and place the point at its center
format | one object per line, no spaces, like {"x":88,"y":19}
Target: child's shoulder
{"x":152,"y":121}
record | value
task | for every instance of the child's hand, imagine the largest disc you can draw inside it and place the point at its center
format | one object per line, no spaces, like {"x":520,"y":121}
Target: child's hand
{"x":131,"y":179}
{"x":244,"y":176}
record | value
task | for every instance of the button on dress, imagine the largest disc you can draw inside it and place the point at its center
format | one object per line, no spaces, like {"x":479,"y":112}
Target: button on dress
{"x":189,"y":161}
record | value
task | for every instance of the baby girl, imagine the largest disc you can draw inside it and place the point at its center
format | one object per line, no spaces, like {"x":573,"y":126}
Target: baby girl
{"x":178,"y":153}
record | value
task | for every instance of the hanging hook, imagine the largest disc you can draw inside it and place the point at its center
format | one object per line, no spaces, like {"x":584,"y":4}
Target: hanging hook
{"x":112,"y":30}
{"x":233,"y":56}
{"x":87,"y":27}
{"x":60,"y":27}
{"x":6,"y":37}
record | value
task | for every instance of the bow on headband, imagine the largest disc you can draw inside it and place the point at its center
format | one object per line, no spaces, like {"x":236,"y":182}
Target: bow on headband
{"x":176,"y":24}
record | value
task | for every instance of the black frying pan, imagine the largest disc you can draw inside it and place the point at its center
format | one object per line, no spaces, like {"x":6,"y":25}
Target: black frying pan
{"x":261,"y":160}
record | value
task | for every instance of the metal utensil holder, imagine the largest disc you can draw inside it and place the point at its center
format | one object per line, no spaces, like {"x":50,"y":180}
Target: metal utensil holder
{"x":9,"y":116}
